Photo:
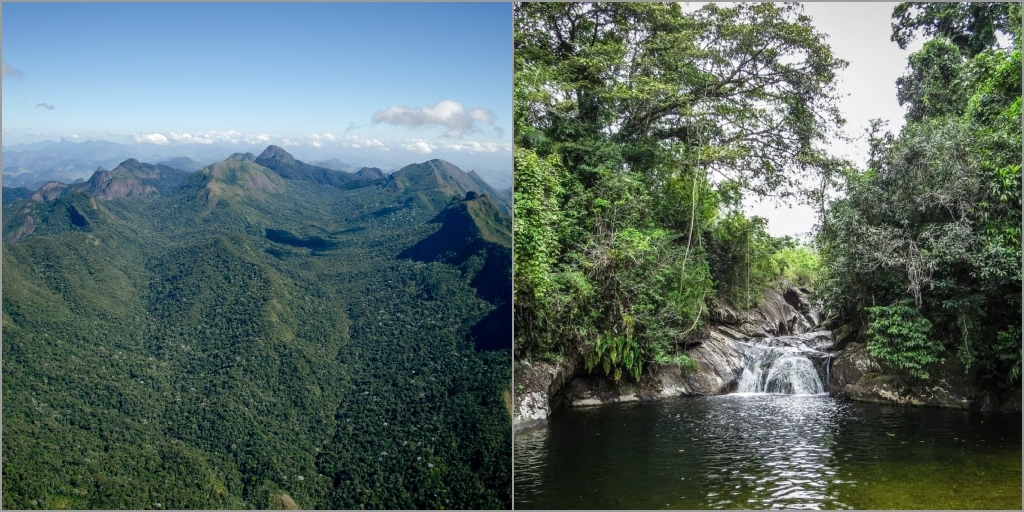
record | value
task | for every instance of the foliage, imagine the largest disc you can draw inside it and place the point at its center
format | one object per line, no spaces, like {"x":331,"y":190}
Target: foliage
{"x":899,"y":335}
{"x":798,"y":264}
{"x":935,"y":218}
{"x":972,"y":26}
{"x":742,"y":258}
{"x":203,"y":351}
{"x":638,"y":129}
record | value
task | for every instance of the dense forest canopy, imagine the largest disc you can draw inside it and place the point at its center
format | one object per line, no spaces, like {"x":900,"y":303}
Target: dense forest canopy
{"x":249,"y":341}
{"x":640,"y":129}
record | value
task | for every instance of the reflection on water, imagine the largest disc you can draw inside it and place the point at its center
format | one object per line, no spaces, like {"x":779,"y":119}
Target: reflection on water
{"x":768,"y":451}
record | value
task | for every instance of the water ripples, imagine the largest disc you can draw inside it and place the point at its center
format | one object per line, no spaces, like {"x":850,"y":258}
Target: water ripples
{"x":752,"y":451}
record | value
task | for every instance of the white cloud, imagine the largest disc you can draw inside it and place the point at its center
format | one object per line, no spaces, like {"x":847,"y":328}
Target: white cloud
{"x":447,"y":113}
{"x":258,"y":139}
{"x":482,"y":115}
{"x":188,"y":138}
{"x":476,"y":147}
{"x":419,"y":146}
{"x":329,"y":137}
{"x":356,"y":142}
{"x":210,"y":137}
{"x":150,"y":138}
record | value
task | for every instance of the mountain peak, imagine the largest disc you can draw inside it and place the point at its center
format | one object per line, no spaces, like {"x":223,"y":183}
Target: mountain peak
{"x":439,"y":176}
{"x":245,"y":157}
{"x":276,"y":153}
{"x":286,"y":166}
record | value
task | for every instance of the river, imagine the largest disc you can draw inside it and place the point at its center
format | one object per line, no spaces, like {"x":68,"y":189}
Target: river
{"x":764,"y":450}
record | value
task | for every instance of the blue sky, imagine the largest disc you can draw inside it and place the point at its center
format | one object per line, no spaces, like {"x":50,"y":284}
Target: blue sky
{"x":401,"y":82}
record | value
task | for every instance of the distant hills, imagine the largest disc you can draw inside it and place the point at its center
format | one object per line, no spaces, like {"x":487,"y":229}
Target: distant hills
{"x":336,"y":165}
{"x":256,"y":329}
{"x":182,"y":162}
{"x":31,"y":165}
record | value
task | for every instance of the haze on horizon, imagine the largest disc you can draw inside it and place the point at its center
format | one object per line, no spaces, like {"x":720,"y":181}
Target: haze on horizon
{"x":370,"y":84}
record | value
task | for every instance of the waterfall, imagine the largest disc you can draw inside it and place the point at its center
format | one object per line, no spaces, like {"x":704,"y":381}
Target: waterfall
{"x":828,"y":373}
{"x":782,"y":365}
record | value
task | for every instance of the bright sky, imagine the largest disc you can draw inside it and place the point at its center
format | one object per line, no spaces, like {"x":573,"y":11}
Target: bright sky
{"x":858,"y":33}
{"x":396,"y":81}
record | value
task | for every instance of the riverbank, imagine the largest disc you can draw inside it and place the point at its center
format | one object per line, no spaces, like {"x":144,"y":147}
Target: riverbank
{"x":786,"y":317}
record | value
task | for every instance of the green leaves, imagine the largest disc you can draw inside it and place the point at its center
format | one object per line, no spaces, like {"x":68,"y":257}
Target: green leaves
{"x":624,"y":111}
{"x":899,"y":335}
{"x":615,"y":354}
{"x":936,"y":216}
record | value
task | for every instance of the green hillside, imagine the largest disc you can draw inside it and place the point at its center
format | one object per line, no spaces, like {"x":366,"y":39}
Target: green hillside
{"x":246,"y":341}
{"x":288,"y":167}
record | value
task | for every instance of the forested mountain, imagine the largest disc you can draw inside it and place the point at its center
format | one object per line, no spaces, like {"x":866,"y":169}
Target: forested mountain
{"x":288,"y":167}
{"x":254,"y":336}
{"x":13,"y":193}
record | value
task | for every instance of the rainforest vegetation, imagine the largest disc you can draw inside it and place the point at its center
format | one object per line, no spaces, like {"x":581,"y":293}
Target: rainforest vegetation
{"x":248,"y":341}
{"x":641,"y":128}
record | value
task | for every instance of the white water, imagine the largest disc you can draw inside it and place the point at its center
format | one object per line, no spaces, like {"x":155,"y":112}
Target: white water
{"x":784,"y":370}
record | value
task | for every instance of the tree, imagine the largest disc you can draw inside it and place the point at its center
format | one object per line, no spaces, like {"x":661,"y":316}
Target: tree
{"x":638,"y":129}
{"x":922,"y":255}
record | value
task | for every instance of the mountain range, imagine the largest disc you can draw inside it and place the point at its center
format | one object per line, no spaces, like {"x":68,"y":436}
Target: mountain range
{"x":259,"y":332}
{"x":31,"y":165}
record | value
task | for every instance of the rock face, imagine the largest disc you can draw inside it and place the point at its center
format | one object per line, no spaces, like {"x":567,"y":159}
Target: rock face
{"x":719,"y":362}
{"x":719,"y":358}
{"x":536,"y":384}
{"x":777,"y":315}
{"x":106,"y":186}
{"x":49,"y":191}
{"x":856,"y":375}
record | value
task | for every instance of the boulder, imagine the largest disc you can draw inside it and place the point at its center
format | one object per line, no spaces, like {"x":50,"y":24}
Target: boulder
{"x":719,"y":359}
{"x":800,"y":299}
{"x":536,"y":383}
{"x":857,"y":375}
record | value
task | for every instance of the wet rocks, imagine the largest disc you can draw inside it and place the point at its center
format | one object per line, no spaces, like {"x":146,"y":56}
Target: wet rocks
{"x":719,"y":360}
{"x":536,"y":383}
